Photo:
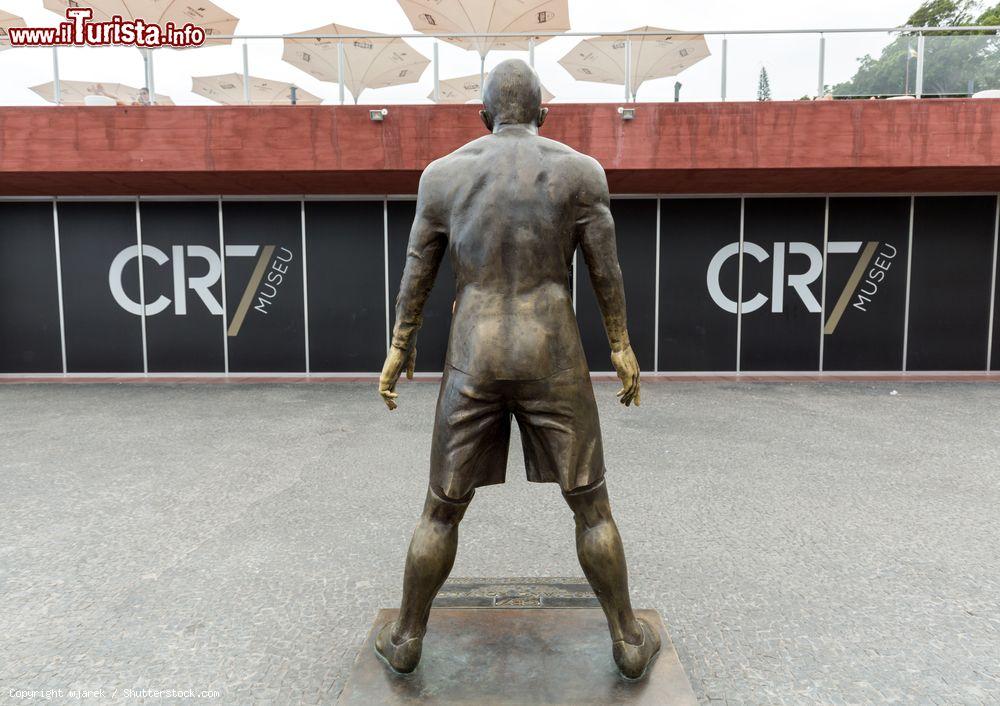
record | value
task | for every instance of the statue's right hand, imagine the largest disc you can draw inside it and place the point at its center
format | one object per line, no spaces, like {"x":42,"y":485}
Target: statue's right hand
{"x":391,"y":370}
{"x":627,"y":368}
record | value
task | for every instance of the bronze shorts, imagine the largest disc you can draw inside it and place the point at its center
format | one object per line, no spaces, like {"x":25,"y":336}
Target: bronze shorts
{"x":557,"y":418}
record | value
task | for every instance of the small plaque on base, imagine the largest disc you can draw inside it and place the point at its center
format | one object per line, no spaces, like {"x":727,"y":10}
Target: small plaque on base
{"x":506,"y":656}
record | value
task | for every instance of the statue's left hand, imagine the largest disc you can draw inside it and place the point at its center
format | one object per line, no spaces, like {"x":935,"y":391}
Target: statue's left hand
{"x":395,"y":362}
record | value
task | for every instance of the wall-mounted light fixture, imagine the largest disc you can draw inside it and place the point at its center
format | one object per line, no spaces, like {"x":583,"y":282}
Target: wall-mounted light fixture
{"x":377,"y":116}
{"x":627,"y":113}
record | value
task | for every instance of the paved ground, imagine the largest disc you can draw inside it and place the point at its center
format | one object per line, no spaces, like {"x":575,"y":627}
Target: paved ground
{"x":806,"y":543}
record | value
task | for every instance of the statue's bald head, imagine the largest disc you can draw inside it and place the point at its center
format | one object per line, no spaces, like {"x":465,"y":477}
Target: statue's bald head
{"x":512,"y":95}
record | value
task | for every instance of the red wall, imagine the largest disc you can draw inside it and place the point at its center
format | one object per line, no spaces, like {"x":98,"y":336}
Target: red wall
{"x":775,"y":147}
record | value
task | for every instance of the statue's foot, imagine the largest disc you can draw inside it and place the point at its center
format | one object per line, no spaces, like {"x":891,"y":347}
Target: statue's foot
{"x":633,"y":660}
{"x":402,"y":657}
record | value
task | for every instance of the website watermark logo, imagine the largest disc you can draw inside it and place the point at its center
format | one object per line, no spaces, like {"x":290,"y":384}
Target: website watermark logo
{"x":80,"y":30}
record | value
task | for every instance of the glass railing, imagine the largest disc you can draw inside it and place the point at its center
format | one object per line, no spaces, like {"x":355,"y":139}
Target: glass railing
{"x":647,"y":66}
{"x":870,"y":64}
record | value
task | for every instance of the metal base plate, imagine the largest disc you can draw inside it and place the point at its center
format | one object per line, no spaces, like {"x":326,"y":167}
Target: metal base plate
{"x":507,"y":656}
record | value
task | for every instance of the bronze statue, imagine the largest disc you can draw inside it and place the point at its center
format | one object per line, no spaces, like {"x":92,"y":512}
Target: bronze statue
{"x":511,"y":208}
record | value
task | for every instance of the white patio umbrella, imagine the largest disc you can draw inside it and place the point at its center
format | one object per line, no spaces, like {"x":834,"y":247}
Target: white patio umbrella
{"x":463,"y":89}
{"x":487,"y":16}
{"x":207,"y":15}
{"x":76,"y":92}
{"x":373,"y":62}
{"x":228,"y":89}
{"x":603,"y":59}
{"x":8,"y":20}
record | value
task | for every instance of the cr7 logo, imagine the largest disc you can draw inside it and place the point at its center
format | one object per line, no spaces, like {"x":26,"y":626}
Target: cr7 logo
{"x":781,"y":278}
{"x":262,"y":285}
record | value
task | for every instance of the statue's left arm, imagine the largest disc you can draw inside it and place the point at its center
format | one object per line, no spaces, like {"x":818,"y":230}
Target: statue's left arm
{"x":426,"y":248}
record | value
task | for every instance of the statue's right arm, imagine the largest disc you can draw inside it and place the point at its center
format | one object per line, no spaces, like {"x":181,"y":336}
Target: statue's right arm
{"x":426,"y":248}
{"x":596,"y":233}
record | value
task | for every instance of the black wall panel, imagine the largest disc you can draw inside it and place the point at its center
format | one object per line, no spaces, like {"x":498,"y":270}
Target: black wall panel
{"x":950,"y":282}
{"x":866,"y":285}
{"x":265,"y":285}
{"x":635,"y":227}
{"x":346,"y":264}
{"x":783,"y":333}
{"x":949,"y":302}
{"x":103,"y":332}
{"x":29,"y":318}
{"x":696,"y":333}
{"x":184,"y":326}
{"x":432,"y":341}
{"x":995,"y":362}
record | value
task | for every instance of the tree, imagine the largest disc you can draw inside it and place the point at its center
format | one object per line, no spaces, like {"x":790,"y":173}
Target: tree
{"x":763,"y":86}
{"x":938,"y":13}
{"x":990,"y":18}
{"x":955,"y":62}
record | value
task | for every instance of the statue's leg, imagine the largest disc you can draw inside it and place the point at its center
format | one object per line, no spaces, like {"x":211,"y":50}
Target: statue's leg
{"x":599,"y":548}
{"x":428,"y":563}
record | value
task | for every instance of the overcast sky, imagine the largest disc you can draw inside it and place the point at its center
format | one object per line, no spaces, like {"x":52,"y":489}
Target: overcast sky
{"x":791,"y":61}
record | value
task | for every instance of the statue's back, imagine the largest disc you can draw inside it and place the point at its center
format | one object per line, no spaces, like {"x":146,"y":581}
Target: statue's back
{"x":511,"y":231}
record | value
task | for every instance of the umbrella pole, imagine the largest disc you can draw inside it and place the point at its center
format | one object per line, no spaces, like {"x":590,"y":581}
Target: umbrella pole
{"x":437,"y":76}
{"x":150,"y":80}
{"x":482,"y":76}
{"x":246,"y":73}
{"x":628,"y":69}
{"x":340,"y":70}
{"x":57,"y":87}
{"x":725,"y":64}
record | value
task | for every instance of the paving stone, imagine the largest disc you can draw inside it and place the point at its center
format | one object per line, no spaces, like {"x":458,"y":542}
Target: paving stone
{"x":806,"y":543}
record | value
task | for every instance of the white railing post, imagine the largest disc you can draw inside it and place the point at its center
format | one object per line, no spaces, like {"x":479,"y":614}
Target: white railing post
{"x":246,"y":73}
{"x":725,"y":62}
{"x":341,"y":73}
{"x":55,"y":76}
{"x":821,"y":85}
{"x":437,"y":74}
{"x":920,"y":65}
